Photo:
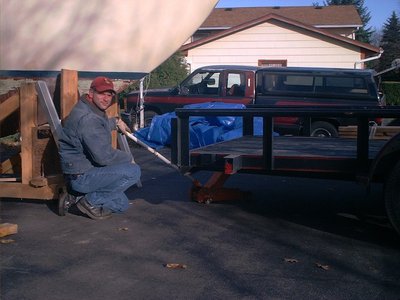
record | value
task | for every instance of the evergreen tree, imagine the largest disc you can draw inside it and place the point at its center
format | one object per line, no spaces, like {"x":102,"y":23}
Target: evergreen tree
{"x":364,"y":33}
{"x":390,"y":42}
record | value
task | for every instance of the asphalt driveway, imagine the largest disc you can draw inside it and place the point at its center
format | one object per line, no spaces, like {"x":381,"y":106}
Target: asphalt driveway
{"x":294,"y":239}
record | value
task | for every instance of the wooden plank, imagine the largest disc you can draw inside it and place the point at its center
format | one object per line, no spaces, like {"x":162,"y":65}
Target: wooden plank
{"x":9,"y":179}
{"x":69,"y":91}
{"x":328,"y":148}
{"x":26,"y":191}
{"x":7,"y":229}
{"x":45,"y":159}
{"x":112,"y":111}
{"x":11,"y":165}
{"x":9,"y":106}
{"x":28,"y":108}
{"x":380,"y":132}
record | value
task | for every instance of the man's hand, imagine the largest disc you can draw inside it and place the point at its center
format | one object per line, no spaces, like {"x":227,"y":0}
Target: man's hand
{"x":121,"y":125}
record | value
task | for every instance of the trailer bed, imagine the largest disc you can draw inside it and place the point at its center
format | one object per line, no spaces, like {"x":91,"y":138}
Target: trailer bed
{"x":306,"y":156}
{"x":341,"y":158}
{"x":293,"y":146}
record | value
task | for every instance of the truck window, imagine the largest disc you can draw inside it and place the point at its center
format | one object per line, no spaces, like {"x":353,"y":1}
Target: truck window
{"x":202,"y":83}
{"x":309,"y":84}
{"x":298,"y":83}
{"x":236,"y":84}
{"x":347,"y":85}
{"x":282,"y":83}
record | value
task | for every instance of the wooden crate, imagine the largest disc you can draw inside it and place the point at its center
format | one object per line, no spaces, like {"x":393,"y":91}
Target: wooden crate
{"x":34,"y":172}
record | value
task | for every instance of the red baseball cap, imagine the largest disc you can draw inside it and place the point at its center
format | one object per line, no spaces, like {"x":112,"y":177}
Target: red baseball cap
{"x":102,"y":84}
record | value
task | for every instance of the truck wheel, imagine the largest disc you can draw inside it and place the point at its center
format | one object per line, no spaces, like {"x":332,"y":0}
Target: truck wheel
{"x":392,"y":197}
{"x":323,"y":129}
{"x":148,"y":117}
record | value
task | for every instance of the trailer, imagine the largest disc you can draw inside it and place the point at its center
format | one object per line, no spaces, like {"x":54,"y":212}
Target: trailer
{"x":361,"y":159}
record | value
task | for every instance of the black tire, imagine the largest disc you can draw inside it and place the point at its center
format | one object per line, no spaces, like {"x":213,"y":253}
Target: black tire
{"x":61,"y":205}
{"x":392,"y":197}
{"x":148,"y":117}
{"x":323,"y":129}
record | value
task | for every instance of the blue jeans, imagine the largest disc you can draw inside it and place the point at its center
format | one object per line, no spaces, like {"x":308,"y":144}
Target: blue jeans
{"x":105,"y":186}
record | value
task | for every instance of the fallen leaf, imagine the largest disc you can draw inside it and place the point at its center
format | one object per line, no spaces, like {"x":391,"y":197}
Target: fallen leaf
{"x":123,"y":229}
{"x":324,"y":267}
{"x":6,"y":241}
{"x":290,"y":260}
{"x":175,"y":266}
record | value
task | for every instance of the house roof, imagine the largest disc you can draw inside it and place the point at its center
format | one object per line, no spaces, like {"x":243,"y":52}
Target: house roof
{"x":280,"y":19}
{"x":320,"y":16}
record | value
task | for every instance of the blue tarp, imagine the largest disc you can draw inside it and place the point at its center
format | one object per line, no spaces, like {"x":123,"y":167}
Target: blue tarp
{"x":203,"y":130}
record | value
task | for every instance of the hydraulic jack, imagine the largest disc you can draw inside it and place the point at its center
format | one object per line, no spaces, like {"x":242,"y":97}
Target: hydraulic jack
{"x":213,"y":190}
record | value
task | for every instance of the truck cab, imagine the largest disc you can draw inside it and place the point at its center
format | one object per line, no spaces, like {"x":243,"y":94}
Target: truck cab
{"x":219,"y":83}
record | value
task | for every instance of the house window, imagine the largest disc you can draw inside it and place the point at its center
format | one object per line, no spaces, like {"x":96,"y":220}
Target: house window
{"x":272,"y":62}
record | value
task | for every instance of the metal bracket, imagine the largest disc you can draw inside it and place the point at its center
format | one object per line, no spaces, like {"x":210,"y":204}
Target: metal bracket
{"x":49,"y":109}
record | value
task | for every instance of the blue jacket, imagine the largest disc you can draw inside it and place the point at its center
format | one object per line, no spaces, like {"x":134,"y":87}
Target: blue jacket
{"x":86,"y":140}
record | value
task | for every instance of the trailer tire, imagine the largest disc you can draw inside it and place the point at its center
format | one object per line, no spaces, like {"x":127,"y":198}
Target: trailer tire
{"x":323,"y":129}
{"x":392,"y":197}
{"x":61,"y":205}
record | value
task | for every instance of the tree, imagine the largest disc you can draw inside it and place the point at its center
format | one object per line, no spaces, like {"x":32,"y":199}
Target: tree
{"x":169,"y":73}
{"x":390,"y":42}
{"x":364,"y":33}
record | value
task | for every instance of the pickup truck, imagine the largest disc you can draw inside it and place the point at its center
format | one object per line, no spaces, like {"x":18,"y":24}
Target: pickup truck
{"x":272,"y":86}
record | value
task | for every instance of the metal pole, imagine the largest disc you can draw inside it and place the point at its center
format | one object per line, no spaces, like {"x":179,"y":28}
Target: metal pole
{"x":160,"y":156}
{"x":141,"y":105}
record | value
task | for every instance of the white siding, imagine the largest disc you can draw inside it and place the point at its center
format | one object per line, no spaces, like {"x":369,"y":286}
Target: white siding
{"x":268,"y":41}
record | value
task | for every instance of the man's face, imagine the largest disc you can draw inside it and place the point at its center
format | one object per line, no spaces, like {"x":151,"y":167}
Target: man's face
{"x":102,"y":100}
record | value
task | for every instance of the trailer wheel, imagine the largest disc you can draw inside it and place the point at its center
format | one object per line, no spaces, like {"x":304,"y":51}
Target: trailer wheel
{"x":392,"y":197}
{"x":61,"y":205}
{"x":323,"y":129}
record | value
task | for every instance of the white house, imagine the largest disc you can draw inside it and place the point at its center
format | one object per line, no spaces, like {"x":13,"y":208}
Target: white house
{"x":286,"y":36}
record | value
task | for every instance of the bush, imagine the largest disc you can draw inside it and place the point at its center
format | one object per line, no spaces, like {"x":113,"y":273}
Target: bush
{"x":392,"y":92}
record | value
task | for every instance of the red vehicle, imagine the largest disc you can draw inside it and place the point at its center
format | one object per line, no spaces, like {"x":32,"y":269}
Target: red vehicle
{"x":281,"y":86}
{"x":230,"y":84}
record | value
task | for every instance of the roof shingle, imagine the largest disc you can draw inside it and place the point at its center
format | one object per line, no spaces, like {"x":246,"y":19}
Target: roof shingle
{"x":334,"y":15}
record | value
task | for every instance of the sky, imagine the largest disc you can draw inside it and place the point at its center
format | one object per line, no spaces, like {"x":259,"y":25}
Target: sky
{"x":380,"y":10}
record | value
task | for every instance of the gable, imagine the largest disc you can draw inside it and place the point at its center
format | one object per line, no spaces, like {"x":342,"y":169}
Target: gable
{"x":274,"y":40}
{"x":282,"y":21}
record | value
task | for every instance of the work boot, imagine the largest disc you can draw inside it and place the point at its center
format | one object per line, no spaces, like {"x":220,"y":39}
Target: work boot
{"x":93,"y":212}
{"x":65,"y":201}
